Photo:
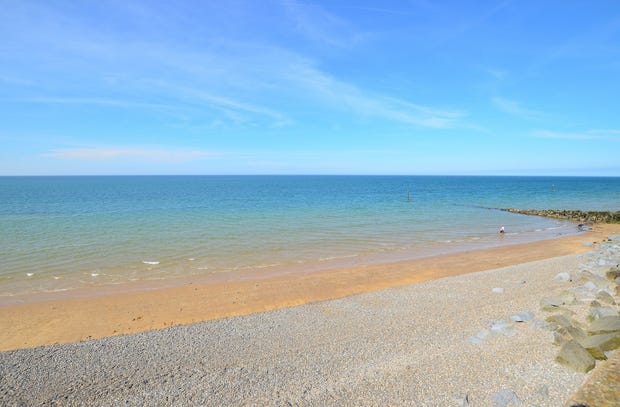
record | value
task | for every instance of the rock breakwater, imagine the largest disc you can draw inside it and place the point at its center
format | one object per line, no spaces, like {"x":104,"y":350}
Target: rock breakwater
{"x":585,"y":318}
{"x":574,"y":215}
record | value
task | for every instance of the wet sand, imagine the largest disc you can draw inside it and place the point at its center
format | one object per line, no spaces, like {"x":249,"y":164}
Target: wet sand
{"x":102,"y":313}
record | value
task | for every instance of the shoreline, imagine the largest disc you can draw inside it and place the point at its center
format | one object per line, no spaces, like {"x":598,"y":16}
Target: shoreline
{"x":406,"y":345}
{"x":198,"y":299}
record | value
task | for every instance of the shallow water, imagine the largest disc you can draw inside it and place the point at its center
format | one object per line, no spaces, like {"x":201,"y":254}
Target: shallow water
{"x":61,"y":233}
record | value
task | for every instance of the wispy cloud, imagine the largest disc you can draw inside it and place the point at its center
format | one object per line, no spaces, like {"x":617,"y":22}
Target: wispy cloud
{"x":349,"y":97}
{"x":107,"y":154}
{"x":196,"y":95}
{"x":321,"y":26}
{"x":585,"y":135}
{"x":516,"y":109}
{"x":121,"y":103}
{"x":499,"y":74}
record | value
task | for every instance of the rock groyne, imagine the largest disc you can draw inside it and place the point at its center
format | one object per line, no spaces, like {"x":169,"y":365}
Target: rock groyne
{"x":575,"y":215}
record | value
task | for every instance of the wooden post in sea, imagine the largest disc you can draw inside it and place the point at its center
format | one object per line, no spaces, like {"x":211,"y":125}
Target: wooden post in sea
{"x":408,"y":195}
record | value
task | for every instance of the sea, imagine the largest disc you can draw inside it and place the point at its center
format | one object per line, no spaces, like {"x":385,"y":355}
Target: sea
{"x":59,"y":234}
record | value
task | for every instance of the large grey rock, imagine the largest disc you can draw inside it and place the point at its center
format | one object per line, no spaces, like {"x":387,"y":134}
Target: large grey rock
{"x":551,"y":303}
{"x":560,"y":336}
{"x":576,"y":333}
{"x":613,"y":273}
{"x":605,"y":297}
{"x":605,"y":325}
{"x":598,"y":281}
{"x":559,"y":319}
{"x":522,"y":316}
{"x":547,"y":326}
{"x":574,"y":356}
{"x":567,"y":297}
{"x":563,"y":276}
{"x":502,"y":327}
{"x":597,"y":345}
{"x":505,"y":398}
{"x":598,"y":312}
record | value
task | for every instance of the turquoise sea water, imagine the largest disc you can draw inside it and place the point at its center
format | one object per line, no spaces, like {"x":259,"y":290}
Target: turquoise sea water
{"x":61,"y":233}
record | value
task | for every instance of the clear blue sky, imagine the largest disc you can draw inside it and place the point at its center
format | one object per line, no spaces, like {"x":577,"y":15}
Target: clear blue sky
{"x":320,"y":87}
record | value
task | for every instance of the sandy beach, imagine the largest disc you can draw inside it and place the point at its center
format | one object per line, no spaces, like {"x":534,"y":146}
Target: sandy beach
{"x":386,"y":342}
{"x":90,"y":314}
{"x":405,"y":345}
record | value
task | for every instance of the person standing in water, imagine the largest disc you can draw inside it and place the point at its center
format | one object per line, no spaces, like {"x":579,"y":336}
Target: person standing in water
{"x":501,"y":230}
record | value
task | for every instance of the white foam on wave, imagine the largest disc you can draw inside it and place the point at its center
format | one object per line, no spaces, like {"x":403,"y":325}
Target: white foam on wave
{"x":202,"y":268}
{"x":94,"y":274}
{"x":191,"y":259}
{"x":152,"y":263}
{"x":29,"y":274}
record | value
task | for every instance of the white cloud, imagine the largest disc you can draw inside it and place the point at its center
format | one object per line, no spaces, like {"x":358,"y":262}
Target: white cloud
{"x":107,"y":154}
{"x":318,"y":25}
{"x":349,"y":97}
{"x":586,"y":135}
{"x":516,"y":109}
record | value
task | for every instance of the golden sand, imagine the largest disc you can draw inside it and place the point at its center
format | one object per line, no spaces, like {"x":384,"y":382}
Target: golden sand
{"x":102,"y":313}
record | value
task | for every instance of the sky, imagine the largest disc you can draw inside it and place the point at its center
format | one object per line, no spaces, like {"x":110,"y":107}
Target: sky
{"x":310,"y":87}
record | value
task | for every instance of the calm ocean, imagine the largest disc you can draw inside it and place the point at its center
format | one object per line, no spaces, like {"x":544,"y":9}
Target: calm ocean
{"x":61,"y":233}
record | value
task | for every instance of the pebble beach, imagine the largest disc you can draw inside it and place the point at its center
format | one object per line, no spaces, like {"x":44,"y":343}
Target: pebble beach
{"x":420,"y":344}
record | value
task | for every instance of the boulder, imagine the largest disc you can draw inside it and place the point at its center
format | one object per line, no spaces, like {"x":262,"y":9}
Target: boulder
{"x":604,"y":297}
{"x":505,"y":398}
{"x":563,"y":276}
{"x":574,"y":356}
{"x":613,"y":273}
{"x":598,"y":312}
{"x":561,"y":320}
{"x":597,"y":345}
{"x":522,"y":316}
{"x":605,"y":325}
{"x":551,"y":303}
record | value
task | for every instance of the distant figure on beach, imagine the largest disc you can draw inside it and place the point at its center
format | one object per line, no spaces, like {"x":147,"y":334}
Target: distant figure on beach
{"x":501,"y":230}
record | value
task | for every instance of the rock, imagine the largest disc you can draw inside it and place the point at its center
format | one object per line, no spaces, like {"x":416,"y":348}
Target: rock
{"x":567,"y":297}
{"x":485,"y":334}
{"x":598,"y":312}
{"x":563,"y":276}
{"x":576,"y":333}
{"x":605,"y":297}
{"x":559,"y":337}
{"x":463,"y":401}
{"x":586,"y":218}
{"x":561,"y":320}
{"x":522,"y":317}
{"x":605,"y":325}
{"x":574,"y":356}
{"x":613,"y":273}
{"x":502,"y":327}
{"x":498,"y":290}
{"x":597,"y":345}
{"x":547,"y":326}
{"x":593,"y":280}
{"x":550,"y":303}
{"x":544,"y":391}
{"x":505,"y":398}
{"x":475,"y":340}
